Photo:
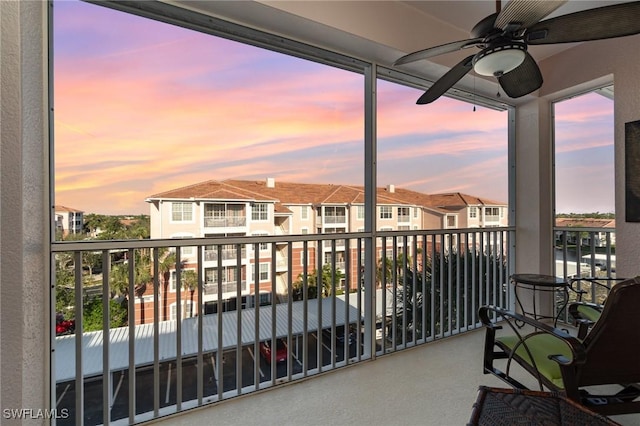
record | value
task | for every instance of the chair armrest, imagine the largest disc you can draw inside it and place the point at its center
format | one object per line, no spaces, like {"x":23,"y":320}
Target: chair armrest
{"x":575,"y":345}
{"x":598,"y":281}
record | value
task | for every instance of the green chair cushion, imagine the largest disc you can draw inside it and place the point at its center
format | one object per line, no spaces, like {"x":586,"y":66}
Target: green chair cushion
{"x":589,"y":312}
{"x":540,"y":346}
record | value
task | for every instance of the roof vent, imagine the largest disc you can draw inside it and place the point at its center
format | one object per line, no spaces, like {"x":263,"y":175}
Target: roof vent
{"x":271,"y":182}
{"x":391,"y":188}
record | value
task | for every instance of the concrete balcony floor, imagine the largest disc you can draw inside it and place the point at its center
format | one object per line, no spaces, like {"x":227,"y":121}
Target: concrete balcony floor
{"x":433,"y":384}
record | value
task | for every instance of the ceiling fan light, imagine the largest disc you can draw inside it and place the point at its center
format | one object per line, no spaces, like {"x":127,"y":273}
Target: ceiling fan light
{"x":499,"y":60}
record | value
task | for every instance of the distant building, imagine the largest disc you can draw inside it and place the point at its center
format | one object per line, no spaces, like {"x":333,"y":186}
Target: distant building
{"x":599,"y":237}
{"x":68,"y":220}
{"x":251,"y":208}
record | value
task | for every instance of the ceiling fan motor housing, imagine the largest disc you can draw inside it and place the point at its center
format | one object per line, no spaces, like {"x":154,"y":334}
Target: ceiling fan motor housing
{"x":499,"y":58}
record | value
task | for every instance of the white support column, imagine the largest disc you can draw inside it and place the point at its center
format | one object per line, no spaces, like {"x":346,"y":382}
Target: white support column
{"x":534,"y":192}
{"x":25,"y":325}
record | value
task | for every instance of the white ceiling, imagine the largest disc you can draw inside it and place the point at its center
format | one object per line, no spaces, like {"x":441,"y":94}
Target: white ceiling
{"x":382,"y":31}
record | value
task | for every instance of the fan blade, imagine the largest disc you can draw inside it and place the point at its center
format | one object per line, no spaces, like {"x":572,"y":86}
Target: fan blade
{"x":437,"y":50}
{"x":447,"y":81}
{"x":524,"y":13}
{"x":522,"y":80}
{"x":616,"y":20}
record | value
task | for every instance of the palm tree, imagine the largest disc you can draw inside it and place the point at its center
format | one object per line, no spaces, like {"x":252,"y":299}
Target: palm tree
{"x":312,"y":282}
{"x":384,"y":270}
{"x":119,"y":280}
{"x":166,"y":263}
{"x":190,"y":283}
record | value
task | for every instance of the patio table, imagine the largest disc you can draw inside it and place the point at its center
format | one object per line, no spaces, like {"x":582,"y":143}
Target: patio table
{"x":539,"y":283}
{"x":508,"y":407}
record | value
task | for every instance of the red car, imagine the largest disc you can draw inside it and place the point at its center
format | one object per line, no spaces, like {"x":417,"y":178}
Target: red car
{"x":64,"y":326}
{"x":282,"y":352}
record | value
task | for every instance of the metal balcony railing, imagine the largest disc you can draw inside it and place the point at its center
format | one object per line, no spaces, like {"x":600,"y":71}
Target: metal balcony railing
{"x":226,"y":253}
{"x":225,"y":222}
{"x":400,"y":289}
{"x":585,"y":253}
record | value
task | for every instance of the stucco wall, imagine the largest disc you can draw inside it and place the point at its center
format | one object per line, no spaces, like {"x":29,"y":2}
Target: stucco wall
{"x":24,"y":209}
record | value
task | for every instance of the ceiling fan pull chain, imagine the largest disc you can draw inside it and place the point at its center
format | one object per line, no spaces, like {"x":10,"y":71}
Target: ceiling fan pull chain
{"x":474,"y":90}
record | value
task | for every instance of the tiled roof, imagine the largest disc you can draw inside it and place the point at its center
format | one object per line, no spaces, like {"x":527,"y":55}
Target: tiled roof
{"x":66,"y":209}
{"x":288,"y":193}
{"x":585,"y":222}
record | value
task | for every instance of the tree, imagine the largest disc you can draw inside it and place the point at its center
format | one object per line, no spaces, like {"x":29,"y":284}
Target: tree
{"x":189,"y":283}
{"x":328,"y":285}
{"x":166,"y":263}
{"x":450,"y":301}
{"x":92,"y":314}
{"x":119,"y":280}
{"x":65,"y":285}
{"x":384,"y":271}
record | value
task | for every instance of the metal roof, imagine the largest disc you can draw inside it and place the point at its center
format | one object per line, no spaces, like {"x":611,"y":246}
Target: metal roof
{"x":92,"y":342}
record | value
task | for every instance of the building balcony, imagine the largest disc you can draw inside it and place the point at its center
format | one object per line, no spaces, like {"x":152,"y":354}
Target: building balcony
{"x":225,"y":222}
{"x":331,"y":220}
{"x":413,"y":329}
{"x":226,"y":253}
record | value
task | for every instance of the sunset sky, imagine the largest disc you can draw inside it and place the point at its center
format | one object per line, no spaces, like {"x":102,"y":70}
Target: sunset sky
{"x":142,"y":107}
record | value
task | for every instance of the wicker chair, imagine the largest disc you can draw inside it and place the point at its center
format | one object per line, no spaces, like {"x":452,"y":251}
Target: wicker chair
{"x":608,"y":355}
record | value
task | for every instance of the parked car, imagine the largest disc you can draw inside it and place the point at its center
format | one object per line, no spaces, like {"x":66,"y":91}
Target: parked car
{"x":64,"y":326}
{"x":340,"y":335}
{"x":282,"y":351}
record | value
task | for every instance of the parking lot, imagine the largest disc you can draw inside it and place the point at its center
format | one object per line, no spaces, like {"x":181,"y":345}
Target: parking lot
{"x":251,"y":364}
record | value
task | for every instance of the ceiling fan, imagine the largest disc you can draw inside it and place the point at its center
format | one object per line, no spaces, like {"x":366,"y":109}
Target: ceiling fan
{"x":504,"y":36}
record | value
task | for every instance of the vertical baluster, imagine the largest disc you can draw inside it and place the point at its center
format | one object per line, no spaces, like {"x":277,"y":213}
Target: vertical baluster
{"x":239,"y":308}
{"x":305,"y":311}
{"x":106,"y":327}
{"x":78,"y":306}
{"x":132,"y":337}
{"x":200,"y":312}
{"x":178,"y":329}
{"x":156,"y":332}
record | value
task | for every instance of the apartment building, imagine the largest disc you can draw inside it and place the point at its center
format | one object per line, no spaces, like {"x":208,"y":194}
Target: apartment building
{"x":235,"y":208}
{"x":68,"y":220}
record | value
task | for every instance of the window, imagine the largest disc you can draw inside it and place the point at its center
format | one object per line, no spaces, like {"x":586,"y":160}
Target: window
{"x":473,"y":212}
{"x":403,"y":214}
{"x":451,"y":221}
{"x":492,"y":211}
{"x":360,"y":212}
{"x":304,"y":230}
{"x":184,"y":251}
{"x":415,"y":213}
{"x":386,"y":212}
{"x":264,"y":271}
{"x":304,"y":212}
{"x":334,"y":214}
{"x":173,"y":279}
{"x":263,"y":246}
{"x":260,"y":211}
{"x":181,"y":212}
{"x":186,"y":310}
